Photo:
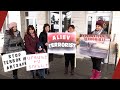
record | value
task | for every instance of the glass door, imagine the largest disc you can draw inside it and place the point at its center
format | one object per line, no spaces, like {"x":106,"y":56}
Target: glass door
{"x":55,"y":21}
{"x":31,"y":21}
{"x":59,"y":20}
{"x":95,"y":16}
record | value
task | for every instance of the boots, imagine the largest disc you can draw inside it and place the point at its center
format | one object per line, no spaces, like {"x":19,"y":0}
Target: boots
{"x":47,"y":71}
{"x":15,"y":77}
{"x":93,"y":74}
{"x":97,"y":74}
{"x":33,"y":74}
{"x":72,"y":70}
{"x":66,"y":70}
{"x":41,"y":77}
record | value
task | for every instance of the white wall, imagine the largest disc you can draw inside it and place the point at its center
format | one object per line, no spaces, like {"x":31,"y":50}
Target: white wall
{"x":116,"y":28}
{"x":42,"y":17}
{"x":14,"y":16}
{"x":79,"y":20}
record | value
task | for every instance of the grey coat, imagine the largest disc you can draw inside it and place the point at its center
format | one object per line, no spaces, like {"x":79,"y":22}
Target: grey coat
{"x":8,"y":40}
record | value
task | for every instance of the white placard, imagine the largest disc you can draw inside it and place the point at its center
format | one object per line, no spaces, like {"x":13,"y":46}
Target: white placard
{"x":37,"y":61}
{"x":14,"y":61}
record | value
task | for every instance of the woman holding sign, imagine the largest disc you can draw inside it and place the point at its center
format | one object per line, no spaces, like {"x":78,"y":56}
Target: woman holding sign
{"x":70,"y":57}
{"x":43,"y":39}
{"x":31,"y":44}
{"x":13,"y":42}
{"x":96,"y":71}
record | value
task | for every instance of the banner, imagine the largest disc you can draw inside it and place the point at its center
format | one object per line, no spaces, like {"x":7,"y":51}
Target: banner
{"x":37,"y":61}
{"x":14,"y":61}
{"x":61,"y":42}
{"x":94,"y":45}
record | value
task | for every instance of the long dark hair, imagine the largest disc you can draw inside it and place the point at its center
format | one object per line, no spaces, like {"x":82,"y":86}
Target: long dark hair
{"x":32,"y":27}
{"x":45,"y":25}
{"x":11,"y":32}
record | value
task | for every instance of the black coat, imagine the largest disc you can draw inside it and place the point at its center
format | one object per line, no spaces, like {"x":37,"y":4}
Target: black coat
{"x":43,"y":39}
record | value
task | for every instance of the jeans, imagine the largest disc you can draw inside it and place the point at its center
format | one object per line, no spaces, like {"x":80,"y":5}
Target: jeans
{"x":40,"y":72}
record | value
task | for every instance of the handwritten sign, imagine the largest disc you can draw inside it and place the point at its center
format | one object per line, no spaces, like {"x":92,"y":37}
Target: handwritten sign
{"x":37,"y":61}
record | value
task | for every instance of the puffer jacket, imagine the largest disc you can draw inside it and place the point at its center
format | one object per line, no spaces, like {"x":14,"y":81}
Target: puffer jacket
{"x":10,"y":42}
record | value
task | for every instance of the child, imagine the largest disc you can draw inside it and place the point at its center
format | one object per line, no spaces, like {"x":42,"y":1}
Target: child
{"x":40,"y":49}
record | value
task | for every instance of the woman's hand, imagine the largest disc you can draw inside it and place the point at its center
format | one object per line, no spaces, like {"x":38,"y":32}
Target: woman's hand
{"x":46,"y":44}
{"x":36,"y":52}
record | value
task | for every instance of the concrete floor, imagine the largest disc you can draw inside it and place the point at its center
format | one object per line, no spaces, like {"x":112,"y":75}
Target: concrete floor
{"x":82,"y":70}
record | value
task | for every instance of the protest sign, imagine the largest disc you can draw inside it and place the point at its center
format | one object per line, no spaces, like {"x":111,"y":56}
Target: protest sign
{"x":61,"y":42}
{"x":94,"y":45}
{"x":37,"y":61}
{"x":14,"y":61}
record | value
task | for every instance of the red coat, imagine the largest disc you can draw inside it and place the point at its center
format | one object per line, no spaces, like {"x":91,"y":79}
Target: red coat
{"x":31,"y":43}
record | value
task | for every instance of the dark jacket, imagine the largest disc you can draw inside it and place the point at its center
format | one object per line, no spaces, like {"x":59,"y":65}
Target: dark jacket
{"x":12,"y":44}
{"x":31,"y":44}
{"x":43,"y":39}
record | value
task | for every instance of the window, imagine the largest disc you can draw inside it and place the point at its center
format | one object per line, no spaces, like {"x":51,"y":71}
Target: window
{"x":60,"y":20}
{"x":93,"y":16}
{"x":30,"y":19}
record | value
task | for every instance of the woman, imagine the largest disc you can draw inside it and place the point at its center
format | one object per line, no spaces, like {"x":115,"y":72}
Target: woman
{"x":31,"y":41}
{"x":70,"y":57}
{"x":96,"y":71}
{"x":13,"y":42}
{"x":43,"y":39}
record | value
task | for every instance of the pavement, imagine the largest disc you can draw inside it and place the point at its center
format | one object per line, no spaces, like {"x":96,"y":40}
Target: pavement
{"x":82,"y":70}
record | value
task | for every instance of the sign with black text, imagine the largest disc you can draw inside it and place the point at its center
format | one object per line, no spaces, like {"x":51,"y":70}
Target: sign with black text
{"x":14,"y":61}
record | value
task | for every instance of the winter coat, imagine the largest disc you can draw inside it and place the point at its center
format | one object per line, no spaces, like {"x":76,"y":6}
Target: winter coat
{"x":31,"y":44}
{"x":13,"y":44}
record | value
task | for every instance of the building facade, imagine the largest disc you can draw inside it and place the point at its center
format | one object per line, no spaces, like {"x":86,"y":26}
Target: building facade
{"x":84,"y":22}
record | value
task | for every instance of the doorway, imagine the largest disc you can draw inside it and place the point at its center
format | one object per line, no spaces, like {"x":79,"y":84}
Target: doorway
{"x":92,"y":17}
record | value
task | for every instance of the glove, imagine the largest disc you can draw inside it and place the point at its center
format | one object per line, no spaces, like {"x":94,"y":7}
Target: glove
{"x":3,"y":53}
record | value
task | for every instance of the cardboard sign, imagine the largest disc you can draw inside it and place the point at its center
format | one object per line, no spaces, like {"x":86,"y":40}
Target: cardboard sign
{"x":37,"y":61}
{"x":14,"y":61}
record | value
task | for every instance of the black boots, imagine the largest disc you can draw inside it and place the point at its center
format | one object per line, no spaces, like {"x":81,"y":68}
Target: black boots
{"x":47,"y":71}
{"x":15,"y":77}
{"x":66,"y":70}
{"x":72,"y":70}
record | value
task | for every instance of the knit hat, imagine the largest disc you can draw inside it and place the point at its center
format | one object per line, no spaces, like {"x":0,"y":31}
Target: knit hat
{"x":100,"y":23}
{"x":12,"y":24}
